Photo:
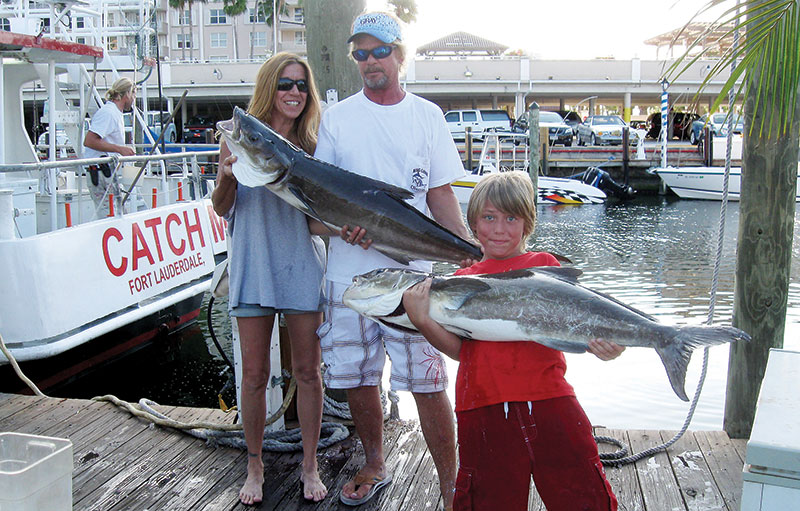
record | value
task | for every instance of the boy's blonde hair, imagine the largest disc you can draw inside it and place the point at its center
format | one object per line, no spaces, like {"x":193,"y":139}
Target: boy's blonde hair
{"x":511,"y":192}
{"x":119,"y":88}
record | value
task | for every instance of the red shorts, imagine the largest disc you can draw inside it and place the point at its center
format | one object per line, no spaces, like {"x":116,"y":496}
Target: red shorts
{"x":554,"y":443}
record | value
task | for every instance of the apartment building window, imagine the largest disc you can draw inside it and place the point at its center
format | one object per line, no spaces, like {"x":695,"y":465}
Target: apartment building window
{"x":260,"y":17}
{"x":259,"y":39}
{"x":298,"y":14}
{"x":80,"y":22}
{"x":300,"y":38}
{"x":5,"y":24}
{"x":183,"y":40}
{"x":185,"y":17}
{"x":217,"y":17}
{"x":219,"y":40}
{"x":113,"y":43}
{"x":80,"y":40}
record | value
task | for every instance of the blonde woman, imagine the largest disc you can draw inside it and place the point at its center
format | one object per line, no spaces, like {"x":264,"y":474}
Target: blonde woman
{"x":276,"y":266}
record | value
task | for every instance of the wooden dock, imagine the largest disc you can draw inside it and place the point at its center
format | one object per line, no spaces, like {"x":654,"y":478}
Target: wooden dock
{"x":124,"y":463}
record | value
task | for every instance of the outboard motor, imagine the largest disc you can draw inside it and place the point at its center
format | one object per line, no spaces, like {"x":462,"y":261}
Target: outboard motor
{"x":599,"y":178}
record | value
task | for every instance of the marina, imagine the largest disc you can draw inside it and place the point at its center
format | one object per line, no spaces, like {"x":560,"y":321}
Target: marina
{"x":121,"y":462}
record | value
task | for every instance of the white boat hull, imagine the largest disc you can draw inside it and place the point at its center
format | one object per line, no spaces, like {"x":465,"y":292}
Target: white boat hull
{"x":551,"y":190}
{"x":705,"y":182}
{"x":65,"y":288}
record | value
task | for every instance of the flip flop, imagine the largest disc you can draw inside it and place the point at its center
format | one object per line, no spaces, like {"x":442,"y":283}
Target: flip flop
{"x":376,"y":482}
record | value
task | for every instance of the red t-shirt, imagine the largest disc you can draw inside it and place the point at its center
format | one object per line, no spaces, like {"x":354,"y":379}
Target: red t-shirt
{"x":496,"y":372}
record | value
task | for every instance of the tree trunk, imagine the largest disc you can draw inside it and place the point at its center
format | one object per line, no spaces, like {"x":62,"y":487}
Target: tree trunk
{"x":766,"y":227}
{"x":328,"y":26}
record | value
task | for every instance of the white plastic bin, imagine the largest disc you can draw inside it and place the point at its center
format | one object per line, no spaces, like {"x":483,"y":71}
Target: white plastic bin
{"x":771,"y":477}
{"x":35,"y":473}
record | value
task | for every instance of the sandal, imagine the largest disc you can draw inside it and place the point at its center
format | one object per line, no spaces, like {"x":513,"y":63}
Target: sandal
{"x":360,"y":480}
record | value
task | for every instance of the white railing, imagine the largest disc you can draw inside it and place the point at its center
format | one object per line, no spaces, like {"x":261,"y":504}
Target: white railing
{"x":125,"y":178}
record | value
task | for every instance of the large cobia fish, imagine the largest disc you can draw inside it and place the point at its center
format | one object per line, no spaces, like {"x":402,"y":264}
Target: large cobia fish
{"x":545,"y":305}
{"x":337,"y":197}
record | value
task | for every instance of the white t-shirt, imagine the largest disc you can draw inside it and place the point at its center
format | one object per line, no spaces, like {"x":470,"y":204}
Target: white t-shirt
{"x":109,"y":125}
{"x":407,"y":145}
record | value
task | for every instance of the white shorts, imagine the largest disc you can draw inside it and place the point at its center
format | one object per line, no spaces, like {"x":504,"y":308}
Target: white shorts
{"x":354,"y":350}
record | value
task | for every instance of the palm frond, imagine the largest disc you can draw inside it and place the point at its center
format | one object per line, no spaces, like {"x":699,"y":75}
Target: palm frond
{"x":769,"y":53}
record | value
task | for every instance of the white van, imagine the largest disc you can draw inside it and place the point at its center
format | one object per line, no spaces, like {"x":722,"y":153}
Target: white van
{"x":479,"y":120}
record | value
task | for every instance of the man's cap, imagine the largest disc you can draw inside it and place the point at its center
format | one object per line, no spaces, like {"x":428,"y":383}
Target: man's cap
{"x":377,"y":24}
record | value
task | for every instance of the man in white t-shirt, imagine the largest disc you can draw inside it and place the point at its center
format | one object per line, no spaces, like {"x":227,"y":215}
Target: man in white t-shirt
{"x":106,"y":135}
{"x":386,"y":133}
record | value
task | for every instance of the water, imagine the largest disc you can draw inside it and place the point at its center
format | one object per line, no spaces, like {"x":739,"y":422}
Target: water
{"x":654,"y":254}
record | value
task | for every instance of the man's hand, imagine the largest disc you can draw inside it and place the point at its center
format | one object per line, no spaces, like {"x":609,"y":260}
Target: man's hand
{"x":605,"y":350}
{"x":356,"y":236}
{"x":126,"y":151}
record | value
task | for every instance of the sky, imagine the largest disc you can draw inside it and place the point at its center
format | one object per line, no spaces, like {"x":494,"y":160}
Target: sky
{"x":555,"y":29}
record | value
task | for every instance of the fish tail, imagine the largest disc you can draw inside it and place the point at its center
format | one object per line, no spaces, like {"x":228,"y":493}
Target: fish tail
{"x":677,"y":353}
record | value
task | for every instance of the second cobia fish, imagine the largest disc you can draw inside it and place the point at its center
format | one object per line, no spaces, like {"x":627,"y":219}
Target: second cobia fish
{"x":337,"y":197}
{"x":543,"y":304}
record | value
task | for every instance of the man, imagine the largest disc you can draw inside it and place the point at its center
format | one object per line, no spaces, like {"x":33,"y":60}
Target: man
{"x":107,"y":135}
{"x":386,"y":133}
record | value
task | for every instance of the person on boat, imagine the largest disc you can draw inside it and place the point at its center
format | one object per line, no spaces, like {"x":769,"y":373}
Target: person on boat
{"x":387,"y":133}
{"x":106,"y":135}
{"x":276,"y":266}
{"x":517,"y":416}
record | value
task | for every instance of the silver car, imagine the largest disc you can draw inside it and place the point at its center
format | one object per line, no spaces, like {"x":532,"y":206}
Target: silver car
{"x":602,"y":130}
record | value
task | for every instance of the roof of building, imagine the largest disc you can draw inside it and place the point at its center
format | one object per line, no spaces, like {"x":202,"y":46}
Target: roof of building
{"x":461,"y":43}
{"x":714,"y":37}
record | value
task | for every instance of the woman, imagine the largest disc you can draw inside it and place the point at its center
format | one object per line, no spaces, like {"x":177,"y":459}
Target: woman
{"x":276,"y":266}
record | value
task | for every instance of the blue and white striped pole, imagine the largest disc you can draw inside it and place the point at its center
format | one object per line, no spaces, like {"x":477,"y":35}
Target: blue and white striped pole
{"x":664,"y":122}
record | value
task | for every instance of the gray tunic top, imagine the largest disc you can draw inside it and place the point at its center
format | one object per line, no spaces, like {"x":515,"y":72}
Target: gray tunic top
{"x":273,"y":261}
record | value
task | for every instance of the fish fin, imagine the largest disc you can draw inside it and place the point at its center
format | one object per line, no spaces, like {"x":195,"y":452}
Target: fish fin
{"x":396,"y":326}
{"x":676,"y":355}
{"x":457,"y":290}
{"x":457,"y":330}
{"x":562,"y":345}
{"x":397,"y":256}
{"x":306,"y":201}
{"x":566,"y":273}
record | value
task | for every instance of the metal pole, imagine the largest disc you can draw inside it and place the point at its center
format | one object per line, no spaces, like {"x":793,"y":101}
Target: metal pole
{"x":53,"y":181}
{"x":664,"y":122}
{"x":274,"y":27}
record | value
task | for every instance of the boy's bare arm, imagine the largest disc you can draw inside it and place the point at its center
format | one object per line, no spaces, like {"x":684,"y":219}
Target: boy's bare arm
{"x":416,"y":301}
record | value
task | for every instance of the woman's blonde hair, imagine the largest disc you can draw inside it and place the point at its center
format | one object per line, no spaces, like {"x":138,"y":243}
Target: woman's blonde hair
{"x":119,"y":88}
{"x":263,"y":99}
{"x":511,"y":192}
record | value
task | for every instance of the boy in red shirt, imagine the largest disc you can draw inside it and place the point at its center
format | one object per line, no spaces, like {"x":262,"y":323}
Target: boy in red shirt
{"x":517,"y":415}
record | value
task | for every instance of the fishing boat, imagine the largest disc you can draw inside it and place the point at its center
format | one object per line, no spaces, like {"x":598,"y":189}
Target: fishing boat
{"x":72,"y":279}
{"x":592,"y":186}
{"x":705,"y":182}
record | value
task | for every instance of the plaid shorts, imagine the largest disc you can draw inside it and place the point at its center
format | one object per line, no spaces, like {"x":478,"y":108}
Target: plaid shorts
{"x":354,"y":350}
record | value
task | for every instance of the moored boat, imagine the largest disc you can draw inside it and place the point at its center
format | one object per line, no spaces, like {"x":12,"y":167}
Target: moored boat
{"x":705,"y":182}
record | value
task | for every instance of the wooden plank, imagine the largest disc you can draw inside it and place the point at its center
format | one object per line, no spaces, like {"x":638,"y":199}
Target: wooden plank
{"x":403,"y":463}
{"x":659,"y":487}
{"x":624,"y":480}
{"x":725,"y":464}
{"x":43,"y":415}
{"x":694,"y":477}
{"x":129,"y":467}
{"x":29,"y":409}
{"x":14,"y":403}
{"x":740,"y":444}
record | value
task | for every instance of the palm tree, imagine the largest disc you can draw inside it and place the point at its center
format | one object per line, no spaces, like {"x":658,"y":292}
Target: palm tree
{"x":234,"y":8}
{"x":264,"y":9}
{"x":181,"y":6}
{"x":406,"y":10}
{"x":770,"y":67}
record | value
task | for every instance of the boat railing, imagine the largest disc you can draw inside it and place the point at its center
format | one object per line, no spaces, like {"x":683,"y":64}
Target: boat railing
{"x":503,"y":150}
{"x":165,"y":175}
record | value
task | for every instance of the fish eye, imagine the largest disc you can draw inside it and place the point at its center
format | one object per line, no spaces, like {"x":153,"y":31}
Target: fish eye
{"x":253,"y":138}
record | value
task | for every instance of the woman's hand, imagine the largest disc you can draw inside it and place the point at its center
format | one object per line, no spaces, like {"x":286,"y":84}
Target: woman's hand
{"x":356,"y":236}
{"x":605,"y":350}
{"x":226,"y":169}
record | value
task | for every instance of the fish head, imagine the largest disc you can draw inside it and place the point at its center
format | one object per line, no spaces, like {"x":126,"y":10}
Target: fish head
{"x":261,"y":153}
{"x":379,"y":292}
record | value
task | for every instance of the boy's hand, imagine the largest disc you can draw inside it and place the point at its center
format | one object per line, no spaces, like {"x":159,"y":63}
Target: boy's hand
{"x":355,"y":236}
{"x":605,"y":350}
{"x":416,"y":301}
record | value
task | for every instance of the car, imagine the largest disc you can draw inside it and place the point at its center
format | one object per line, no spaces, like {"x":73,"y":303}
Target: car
{"x":603,"y":129}
{"x":681,"y":124}
{"x":199,"y":130}
{"x":572,"y":119}
{"x":558,"y":131}
{"x":718,"y":123}
{"x":479,"y":121}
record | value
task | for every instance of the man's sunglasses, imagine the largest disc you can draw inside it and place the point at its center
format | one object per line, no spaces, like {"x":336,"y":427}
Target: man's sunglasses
{"x":286,"y":84}
{"x":381,"y":52}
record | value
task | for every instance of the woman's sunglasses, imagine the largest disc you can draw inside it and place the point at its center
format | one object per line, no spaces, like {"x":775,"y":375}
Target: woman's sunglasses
{"x":381,"y":52}
{"x":286,"y":84}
